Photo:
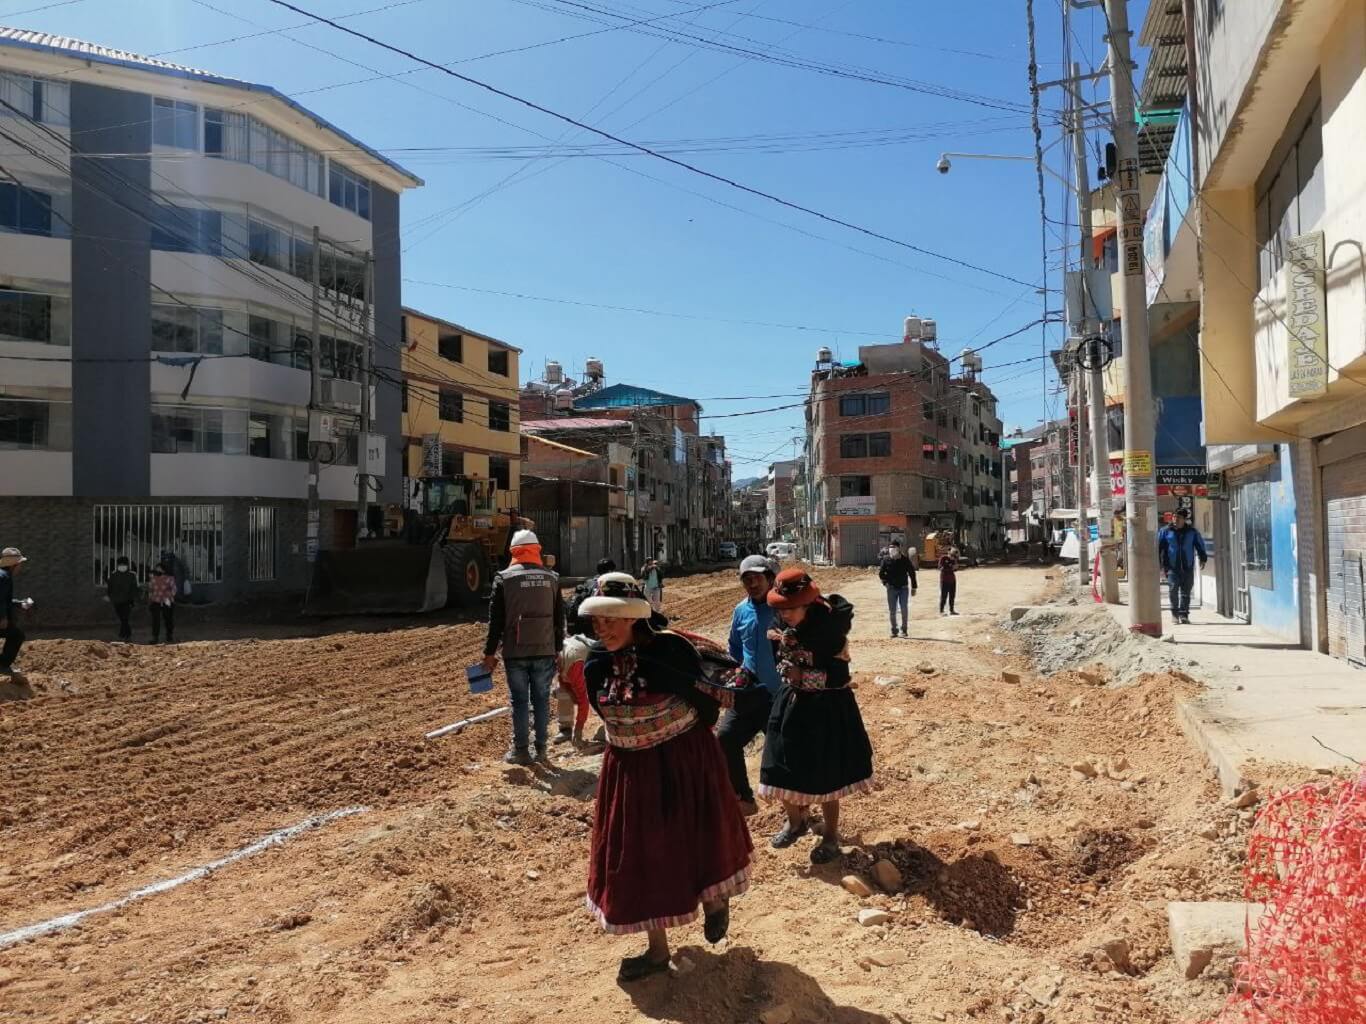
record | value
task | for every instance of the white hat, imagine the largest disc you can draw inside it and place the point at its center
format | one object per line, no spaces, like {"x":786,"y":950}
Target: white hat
{"x":617,"y":596}
{"x":11,"y":557}
{"x":523,"y":537}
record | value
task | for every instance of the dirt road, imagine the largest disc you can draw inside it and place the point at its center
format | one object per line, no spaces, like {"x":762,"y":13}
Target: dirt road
{"x":456,"y":894}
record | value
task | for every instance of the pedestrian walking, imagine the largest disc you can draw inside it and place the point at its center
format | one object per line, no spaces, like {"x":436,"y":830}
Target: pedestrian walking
{"x":122,"y":589}
{"x":161,"y":593}
{"x":11,"y":561}
{"x":817,"y":749}
{"x":756,"y":653}
{"x":948,"y":581}
{"x":652,"y":577}
{"x":526,"y":619}
{"x":668,"y":834}
{"x":897,"y":573}
{"x":1179,"y":545}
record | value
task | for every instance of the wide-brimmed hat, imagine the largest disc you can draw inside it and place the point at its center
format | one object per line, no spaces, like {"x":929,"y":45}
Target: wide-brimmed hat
{"x":793,"y":589}
{"x":11,"y":557}
{"x":617,"y":595}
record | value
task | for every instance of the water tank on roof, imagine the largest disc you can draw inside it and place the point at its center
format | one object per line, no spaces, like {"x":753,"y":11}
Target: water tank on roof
{"x":824,"y":355}
{"x":929,"y":330}
{"x":593,"y":368}
{"x":914,"y":329}
{"x":554,"y":372}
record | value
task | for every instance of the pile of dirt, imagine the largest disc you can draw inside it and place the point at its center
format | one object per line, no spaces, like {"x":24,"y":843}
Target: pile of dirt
{"x":1065,"y":639}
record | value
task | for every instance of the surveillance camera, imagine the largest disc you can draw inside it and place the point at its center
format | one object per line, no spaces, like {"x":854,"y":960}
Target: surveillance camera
{"x":943,"y":166}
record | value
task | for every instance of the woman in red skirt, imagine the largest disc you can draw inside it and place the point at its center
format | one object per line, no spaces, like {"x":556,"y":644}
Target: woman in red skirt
{"x":668,"y":833}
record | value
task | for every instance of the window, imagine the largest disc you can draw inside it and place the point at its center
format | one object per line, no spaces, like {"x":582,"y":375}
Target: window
{"x":263,"y":339}
{"x":175,"y":124}
{"x":500,"y":470}
{"x":865,"y":405}
{"x":1256,"y":513}
{"x":929,"y":489}
{"x":856,"y":486}
{"x":498,"y":361}
{"x":853,"y":446}
{"x":29,"y":316}
{"x":27,"y":211}
{"x":1290,"y":189}
{"x":928,"y":446}
{"x":500,"y":416}
{"x":927,"y":408}
{"x":269,"y":246}
{"x":261,"y":543}
{"x":177,"y":328}
{"x":879,"y":445}
{"x":35,"y":424}
{"x":38,"y":98}
{"x":183,"y":429}
{"x":451,"y":406}
{"x":227,"y":134}
{"x":348,"y":191}
{"x":452,"y":462}
{"x":143,"y":533}
{"x":450,"y":345}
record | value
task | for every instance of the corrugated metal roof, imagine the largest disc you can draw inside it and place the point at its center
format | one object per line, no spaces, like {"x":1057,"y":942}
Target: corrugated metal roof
{"x":571,"y":423}
{"x":561,"y":447}
{"x":1164,"y":79}
{"x":626,"y":396}
{"x":66,"y":46}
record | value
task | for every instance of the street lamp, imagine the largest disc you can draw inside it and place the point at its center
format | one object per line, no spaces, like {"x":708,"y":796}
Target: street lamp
{"x":945,"y":164}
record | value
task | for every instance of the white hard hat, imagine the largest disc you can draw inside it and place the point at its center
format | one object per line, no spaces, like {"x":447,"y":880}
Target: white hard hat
{"x":524,"y":537}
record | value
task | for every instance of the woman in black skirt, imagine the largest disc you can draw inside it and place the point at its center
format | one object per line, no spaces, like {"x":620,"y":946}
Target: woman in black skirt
{"x":816,"y":750}
{"x":668,"y":833}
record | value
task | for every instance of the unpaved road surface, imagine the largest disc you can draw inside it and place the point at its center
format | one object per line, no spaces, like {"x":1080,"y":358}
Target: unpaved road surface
{"x":456,"y":895}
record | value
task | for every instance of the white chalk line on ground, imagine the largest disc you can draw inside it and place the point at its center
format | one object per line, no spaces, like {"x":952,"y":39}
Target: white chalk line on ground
{"x":275,"y":838}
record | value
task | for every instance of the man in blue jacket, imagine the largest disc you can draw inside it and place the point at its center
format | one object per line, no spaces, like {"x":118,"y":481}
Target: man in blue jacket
{"x":751,"y":647}
{"x":1178,"y":546}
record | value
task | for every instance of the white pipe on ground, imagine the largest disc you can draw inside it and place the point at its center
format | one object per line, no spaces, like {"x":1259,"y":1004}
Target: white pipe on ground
{"x":459,"y":726}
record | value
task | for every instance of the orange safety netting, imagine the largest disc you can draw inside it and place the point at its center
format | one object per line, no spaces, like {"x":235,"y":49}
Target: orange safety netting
{"x":1306,"y":961}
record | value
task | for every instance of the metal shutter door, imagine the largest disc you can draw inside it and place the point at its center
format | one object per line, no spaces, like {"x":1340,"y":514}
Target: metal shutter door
{"x":858,"y":543}
{"x":1344,"y":499}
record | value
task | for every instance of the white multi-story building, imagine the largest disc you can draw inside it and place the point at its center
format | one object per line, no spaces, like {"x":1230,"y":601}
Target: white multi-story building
{"x":156,"y":292}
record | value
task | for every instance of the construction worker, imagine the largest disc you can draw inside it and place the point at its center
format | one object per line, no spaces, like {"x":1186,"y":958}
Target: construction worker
{"x":526,"y":619}
{"x":10,"y":561}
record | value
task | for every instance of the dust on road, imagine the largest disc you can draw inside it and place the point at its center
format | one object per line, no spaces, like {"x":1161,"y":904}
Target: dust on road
{"x":1033,"y":823}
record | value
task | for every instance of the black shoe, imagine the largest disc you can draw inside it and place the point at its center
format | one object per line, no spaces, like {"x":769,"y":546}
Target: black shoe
{"x":515,"y":756}
{"x":825,"y":851}
{"x":952,"y":612}
{"x":716,"y":924}
{"x":543,"y":757}
{"x":789,"y":835}
{"x":634,"y":968}
{"x":564,"y":736}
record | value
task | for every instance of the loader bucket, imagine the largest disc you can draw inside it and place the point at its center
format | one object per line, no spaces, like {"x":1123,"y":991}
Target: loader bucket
{"x":378,"y":579}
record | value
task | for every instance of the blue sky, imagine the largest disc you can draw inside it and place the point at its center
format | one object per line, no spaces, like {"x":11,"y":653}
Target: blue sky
{"x":637,"y":232}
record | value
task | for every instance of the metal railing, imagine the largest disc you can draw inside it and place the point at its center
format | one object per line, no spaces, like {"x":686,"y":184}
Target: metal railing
{"x":145,"y":533}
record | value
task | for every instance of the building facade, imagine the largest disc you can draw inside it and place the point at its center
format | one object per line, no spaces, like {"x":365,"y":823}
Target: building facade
{"x":155,"y":321}
{"x":460,"y":410}
{"x":780,"y":511}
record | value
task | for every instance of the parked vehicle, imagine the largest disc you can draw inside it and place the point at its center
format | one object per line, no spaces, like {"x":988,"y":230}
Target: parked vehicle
{"x":783,"y":551}
{"x":728,"y":551}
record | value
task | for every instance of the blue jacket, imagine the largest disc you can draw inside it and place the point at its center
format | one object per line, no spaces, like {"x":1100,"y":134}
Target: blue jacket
{"x":749,"y":642}
{"x":1177,"y":549}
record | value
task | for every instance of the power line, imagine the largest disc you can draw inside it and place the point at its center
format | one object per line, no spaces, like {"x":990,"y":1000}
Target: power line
{"x":729,"y":182}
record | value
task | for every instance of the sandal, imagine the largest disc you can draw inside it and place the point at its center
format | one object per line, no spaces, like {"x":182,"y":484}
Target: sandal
{"x":717,"y":923}
{"x":634,"y":968}
{"x":789,"y":835}
{"x":825,"y":851}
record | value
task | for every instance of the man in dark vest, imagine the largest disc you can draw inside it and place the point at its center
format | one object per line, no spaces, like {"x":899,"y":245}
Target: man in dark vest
{"x":526,"y":618}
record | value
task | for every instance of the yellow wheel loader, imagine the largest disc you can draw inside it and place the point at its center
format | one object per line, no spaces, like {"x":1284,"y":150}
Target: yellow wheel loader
{"x":440,"y":551}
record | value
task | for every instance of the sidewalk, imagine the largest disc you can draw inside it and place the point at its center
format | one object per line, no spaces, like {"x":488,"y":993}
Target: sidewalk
{"x":1264,"y":700}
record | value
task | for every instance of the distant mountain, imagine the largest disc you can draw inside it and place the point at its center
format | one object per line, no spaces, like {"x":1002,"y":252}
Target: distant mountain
{"x":746,"y":483}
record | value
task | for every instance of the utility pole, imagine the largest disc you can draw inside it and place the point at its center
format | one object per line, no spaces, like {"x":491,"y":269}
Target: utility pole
{"x":362,"y":450}
{"x":1140,"y":510}
{"x":314,"y":400}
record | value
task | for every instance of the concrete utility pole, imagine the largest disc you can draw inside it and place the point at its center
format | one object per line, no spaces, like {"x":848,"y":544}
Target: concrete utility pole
{"x":362,"y":450}
{"x":314,"y":402}
{"x":1145,"y":602}
{"x":1083,"y":495}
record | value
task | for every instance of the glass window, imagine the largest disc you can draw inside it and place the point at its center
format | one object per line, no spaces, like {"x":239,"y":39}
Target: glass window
{"x":1256,"y":508}
{"x":856,"y":486}
{"x":879,"y":404}
{"x":498,"y":361}
{"x":879,"y":445}
{"x":854,"y":446}
{"x":267,"y":245}
{"x":34,"y":424}
{"x":500,"y":416}
{"x":25,"y":316}
{"x":450,"y":345}
{"x":451,"y":407}
{"x":348,"y":191}
{"x":452,"y":462}
{"x":25,"y":210}
{"x":175,"y":124}
{"x":1309,"y":171}
{"x":301,"y":257}
{"x":501,"y":472}
{"x":927,"y":447}
{"x":852,"y":405}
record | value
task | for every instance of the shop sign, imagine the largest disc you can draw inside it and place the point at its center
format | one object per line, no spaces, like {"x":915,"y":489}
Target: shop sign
{"x":1307,"y":316}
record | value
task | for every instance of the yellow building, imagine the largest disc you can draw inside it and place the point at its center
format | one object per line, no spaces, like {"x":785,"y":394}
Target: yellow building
{"x":460,"y":388}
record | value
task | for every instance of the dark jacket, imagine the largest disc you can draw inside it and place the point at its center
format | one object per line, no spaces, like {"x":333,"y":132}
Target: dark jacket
{"x":898,"y":572}
{"x":580,"y":625}
{"x":123,"y":587}
{"x":666,"y":663}
{"x":948,"y":568}
{"x":824,"y":634}
{"x":6,"y":594}
{"x":1178,"y":549}
{"x":526,"y":614}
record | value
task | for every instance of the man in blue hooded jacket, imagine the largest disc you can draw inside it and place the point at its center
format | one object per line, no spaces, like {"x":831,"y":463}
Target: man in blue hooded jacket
{"x":1178,"y":547}
{"x":751,"y":647}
